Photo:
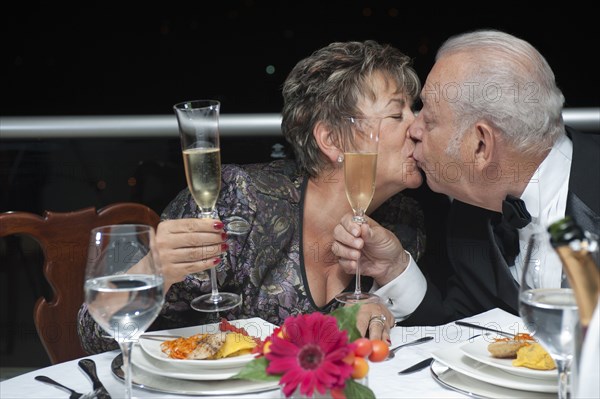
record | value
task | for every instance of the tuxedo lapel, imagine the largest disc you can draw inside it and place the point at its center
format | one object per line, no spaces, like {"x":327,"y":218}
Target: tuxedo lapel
{"x":478,"y":261}
{"x":507,"y":288}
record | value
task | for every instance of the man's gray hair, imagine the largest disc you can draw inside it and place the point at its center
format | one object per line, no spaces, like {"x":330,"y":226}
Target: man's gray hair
{"x":509,"y":84}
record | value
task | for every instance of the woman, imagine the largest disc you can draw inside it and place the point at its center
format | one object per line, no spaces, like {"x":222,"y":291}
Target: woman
{"x":285,"y":265}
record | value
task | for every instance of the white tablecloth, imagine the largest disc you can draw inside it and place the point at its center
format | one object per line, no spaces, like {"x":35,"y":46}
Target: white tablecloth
{"x":383,"y":377}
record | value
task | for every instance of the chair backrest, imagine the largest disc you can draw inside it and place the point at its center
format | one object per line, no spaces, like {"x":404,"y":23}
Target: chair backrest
{"x":63,"y":238}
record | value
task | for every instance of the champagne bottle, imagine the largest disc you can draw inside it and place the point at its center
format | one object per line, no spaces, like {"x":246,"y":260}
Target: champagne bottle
{"x":576,"y":250}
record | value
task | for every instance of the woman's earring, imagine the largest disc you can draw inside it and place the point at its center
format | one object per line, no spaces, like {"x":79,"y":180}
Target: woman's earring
{"x":340,"y":158}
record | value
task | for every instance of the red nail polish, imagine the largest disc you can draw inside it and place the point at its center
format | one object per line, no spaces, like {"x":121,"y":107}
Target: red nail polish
{"x":216,"y":261}
{"x":224,"y":236}
{"x":224,"y":246}
{"x":218,"y":225}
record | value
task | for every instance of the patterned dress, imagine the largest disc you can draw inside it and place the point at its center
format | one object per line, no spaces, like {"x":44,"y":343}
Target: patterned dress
{"x":266,"y":265}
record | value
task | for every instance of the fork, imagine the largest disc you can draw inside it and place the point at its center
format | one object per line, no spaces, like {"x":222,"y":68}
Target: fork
{"x":393,"y":351}
{"x":48,"y":380}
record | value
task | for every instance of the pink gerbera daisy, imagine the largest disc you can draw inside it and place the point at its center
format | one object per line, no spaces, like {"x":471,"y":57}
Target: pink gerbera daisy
{"x":311,"y":354}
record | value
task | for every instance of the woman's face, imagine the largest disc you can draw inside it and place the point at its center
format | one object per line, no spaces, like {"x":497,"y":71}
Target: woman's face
{"x":396,"y":167}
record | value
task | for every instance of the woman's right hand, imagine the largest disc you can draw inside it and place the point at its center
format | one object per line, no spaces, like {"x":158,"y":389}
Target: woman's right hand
{"x":188,"y":246}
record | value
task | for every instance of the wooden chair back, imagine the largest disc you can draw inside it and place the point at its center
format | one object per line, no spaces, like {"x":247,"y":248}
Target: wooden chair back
{"x":63,"y":238}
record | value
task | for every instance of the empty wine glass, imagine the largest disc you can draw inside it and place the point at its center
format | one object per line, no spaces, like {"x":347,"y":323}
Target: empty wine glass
{"x":199,"y":131}
{"x":547,"y":305}
{"x":123,"y":284}
{"x":360,"y":167}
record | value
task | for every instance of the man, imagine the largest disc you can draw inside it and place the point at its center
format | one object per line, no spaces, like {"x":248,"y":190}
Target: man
{"x":490,"y":133}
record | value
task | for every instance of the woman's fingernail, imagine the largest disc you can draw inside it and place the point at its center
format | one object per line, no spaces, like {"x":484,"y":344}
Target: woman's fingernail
{"x":218,"y":225}
{"x":389,"y":341}
{"x":224,"y":236}
{"x":224,"y":246}
{"x":216,"y":261}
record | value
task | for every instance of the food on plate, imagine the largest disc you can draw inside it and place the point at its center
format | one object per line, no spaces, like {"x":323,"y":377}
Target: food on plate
{"x":229,"y":342}
{"x":534,"y":357}
{"x":506,"y":348}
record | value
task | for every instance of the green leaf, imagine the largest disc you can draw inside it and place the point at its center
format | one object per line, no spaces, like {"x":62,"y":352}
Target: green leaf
{"x":356,"y":390}
{"x":346,"y":320}
{"x":256,"y":370}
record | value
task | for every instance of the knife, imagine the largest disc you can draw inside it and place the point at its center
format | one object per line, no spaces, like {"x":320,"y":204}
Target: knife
{"x":419,"y":366}
{"x":478,"y":327}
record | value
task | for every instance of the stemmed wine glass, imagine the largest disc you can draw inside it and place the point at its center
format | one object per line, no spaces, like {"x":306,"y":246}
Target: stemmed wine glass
{"x":360,"y":168}
{"x":547,"y":305}
{"x":123,"y":284}
{"x":199,"y":131}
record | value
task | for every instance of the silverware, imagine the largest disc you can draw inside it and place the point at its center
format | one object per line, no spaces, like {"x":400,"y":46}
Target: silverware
{"x":478,"y":327}
{"x":48,"y":380}
{"x":89,"y":367}
{"x":159,"y":337}
{"x":416,"y":367}
{"x":393,"y":351}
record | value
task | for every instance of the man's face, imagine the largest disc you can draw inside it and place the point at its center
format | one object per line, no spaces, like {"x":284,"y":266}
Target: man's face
{"x":434,"y":129}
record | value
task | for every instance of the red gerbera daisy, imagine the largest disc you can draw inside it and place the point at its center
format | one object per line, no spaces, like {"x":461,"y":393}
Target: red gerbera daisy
{"x":310,"y":354}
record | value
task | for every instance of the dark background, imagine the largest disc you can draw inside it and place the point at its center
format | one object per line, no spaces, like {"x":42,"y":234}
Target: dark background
{"x":140,"y":58}
{"x":125,"y":59}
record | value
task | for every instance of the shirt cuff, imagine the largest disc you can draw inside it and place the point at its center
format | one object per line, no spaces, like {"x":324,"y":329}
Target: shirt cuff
{"x":403,"y":294}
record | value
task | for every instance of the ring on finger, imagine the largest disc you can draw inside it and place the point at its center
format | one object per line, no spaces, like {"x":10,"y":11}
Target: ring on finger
{"x":378,"y":319}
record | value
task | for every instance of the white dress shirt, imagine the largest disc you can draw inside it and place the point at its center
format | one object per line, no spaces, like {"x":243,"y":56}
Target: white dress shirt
{"x":545,"y":196}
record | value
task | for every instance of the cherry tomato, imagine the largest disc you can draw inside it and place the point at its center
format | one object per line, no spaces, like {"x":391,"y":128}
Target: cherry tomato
{"x":380,"y":350}
{"x":337,"y":393}
{"x":349,"y":359}
{"x":360,"y":368}
{"x":362,"y":347}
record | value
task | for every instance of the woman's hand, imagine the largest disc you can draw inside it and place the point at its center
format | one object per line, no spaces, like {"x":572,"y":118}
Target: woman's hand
{"x":376,"y":321}
{"x":381,"y":254}
{"x":188,"y":246}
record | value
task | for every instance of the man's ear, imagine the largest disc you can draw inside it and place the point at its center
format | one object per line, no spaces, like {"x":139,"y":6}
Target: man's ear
{"x":483,"y":151}
{"x":326,"y":141}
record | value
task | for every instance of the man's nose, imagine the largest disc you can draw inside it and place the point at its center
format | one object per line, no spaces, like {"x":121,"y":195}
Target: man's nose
{"x":414,"y":131}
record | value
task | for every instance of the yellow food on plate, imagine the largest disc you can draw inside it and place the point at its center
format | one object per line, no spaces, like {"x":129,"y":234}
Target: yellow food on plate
{"x":209,"y":346}
{"x":534,"y":357}
{"x":235,"y":345}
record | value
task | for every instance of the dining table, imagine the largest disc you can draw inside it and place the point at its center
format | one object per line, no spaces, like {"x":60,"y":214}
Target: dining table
{"x":383,"y":377}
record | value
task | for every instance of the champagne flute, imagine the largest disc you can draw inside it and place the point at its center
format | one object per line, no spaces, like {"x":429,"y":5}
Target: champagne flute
{"x":360,"y":168}
{"x":199,"y":131}
{"x":123,"y":284}
{"x":547,"y":305}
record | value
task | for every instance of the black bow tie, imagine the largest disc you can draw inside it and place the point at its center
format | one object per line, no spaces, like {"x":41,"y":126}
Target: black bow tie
{"x":514,"y":216}
{"x":514,"y":212}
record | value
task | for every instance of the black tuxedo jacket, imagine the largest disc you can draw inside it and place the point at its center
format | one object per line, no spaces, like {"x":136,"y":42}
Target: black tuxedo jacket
{"x":479,"y":278}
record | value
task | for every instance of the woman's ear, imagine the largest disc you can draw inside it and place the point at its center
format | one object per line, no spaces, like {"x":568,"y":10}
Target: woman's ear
{"x":326,"y":141}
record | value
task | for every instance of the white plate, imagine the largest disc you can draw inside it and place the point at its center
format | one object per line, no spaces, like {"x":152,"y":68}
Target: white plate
{"x":150,"y":365}
{"x":157,"y":383}
{"x":255,"y":326}
{"x":478,"y":389}
{"x":477,"y":350}
{"x":454,"y":358}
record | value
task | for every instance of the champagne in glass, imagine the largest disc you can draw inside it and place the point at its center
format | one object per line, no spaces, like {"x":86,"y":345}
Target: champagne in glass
{"x":199,"y":131}
{"x":203,"y":175}
{"x":360,"y":168}
{"x":123,"y":285}
{"x":547,"y":305}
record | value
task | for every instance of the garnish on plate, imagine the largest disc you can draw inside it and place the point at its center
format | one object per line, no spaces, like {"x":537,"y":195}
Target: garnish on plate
{"x":229,"y":342}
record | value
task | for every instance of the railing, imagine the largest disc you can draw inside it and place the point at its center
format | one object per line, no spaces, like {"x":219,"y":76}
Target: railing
{"x":22,"y":127}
